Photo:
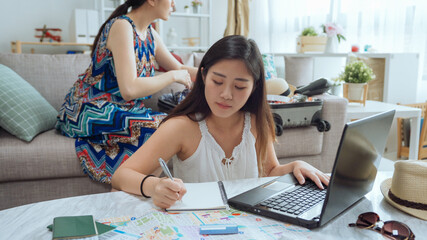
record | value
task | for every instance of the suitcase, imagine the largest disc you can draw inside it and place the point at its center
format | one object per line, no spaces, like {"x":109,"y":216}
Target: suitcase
{"x":298,"y":111}
{"x":168,"y":101}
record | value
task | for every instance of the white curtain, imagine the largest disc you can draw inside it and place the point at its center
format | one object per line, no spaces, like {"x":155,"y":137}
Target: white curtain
{"x":386,"y":25}
{"x":275,"y":24}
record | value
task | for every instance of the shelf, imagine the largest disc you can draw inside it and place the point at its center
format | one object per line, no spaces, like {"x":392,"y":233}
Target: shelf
{"x":187,"y":25}
{"x":17,"y":46}
{"x":182,"y":14}
{"x":193,"y":48}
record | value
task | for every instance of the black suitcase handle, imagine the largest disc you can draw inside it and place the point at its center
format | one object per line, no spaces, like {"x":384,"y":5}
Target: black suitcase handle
{"x":319,"y":86}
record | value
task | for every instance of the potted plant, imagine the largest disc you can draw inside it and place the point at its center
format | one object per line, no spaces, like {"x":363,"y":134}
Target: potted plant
{"x":336,"y":86}
{"x":309,"y":31}
{"x":309,"y":41}
{"x":356,"y":76}
{"x":196,"y":5}
{"x":186,"y":9}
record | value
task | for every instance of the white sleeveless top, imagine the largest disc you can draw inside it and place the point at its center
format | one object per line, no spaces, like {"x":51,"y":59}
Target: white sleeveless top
{"x":209,"y":163}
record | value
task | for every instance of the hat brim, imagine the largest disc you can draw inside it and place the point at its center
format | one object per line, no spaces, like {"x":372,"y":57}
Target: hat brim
{"x":385,"y":187}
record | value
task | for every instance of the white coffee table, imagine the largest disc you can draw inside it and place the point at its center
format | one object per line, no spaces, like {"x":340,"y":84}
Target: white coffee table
{"x":357,"y":111}
{"x":30,"y":221}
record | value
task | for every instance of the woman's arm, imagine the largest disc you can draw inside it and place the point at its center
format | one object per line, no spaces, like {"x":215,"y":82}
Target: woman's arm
{"x":164,"y":143}
{"x":120,"y":43}
{"x":167,"y":60}
{"x":300,"y":169}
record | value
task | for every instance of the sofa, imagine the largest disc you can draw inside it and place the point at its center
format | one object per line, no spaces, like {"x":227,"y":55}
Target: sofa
{"x":47,"y":167}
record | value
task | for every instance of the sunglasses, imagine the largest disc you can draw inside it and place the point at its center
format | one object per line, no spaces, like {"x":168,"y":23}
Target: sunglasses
{"x":390,"y":229}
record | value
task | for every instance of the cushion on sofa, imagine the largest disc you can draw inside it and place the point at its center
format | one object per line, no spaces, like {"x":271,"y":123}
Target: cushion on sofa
{"x":198,"y":56}
{"x":24,"y":112}
{"x":49,"y":155}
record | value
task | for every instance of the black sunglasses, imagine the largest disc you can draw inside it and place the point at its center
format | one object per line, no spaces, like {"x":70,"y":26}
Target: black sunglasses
{"x":391,"y":229}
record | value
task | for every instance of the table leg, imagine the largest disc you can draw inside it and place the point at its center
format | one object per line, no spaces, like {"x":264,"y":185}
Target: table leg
{"x":415,"y":137}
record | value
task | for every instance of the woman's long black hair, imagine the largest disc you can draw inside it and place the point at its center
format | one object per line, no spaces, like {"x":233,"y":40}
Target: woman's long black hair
{"x":120,"y":10}
{"x":240,"y":48}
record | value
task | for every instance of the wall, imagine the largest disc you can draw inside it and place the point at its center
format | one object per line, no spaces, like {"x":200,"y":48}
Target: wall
{"x":19,"y":18}
{"x":219,"y":19}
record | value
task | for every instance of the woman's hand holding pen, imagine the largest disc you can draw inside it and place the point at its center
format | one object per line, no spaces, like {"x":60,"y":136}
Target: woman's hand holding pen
{"x":167,"y":192}
{"x":169,"y":189}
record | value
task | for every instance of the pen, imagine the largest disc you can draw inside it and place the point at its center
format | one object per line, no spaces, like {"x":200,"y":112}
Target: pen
{"x":165,"y":168}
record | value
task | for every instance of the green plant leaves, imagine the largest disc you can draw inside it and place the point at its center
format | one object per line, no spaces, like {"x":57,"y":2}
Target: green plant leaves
{"x":357,"y":72}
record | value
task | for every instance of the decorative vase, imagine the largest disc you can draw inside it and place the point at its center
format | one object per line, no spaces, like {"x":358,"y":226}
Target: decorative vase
{"x":331,"y":45}
{"x":196,"y":9}
{"x":355,"y":91}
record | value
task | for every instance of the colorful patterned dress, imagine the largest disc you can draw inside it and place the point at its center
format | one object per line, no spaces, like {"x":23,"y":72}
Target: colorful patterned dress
{"x":108,"y":128}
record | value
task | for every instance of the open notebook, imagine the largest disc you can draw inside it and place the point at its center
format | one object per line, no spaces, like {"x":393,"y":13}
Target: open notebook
{"x":202,"y":197}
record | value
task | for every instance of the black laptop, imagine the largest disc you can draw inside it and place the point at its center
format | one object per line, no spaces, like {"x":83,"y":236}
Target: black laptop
{"x":358,"y":157}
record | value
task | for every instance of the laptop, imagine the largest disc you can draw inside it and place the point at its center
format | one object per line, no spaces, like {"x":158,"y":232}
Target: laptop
{"x":356,"y":164}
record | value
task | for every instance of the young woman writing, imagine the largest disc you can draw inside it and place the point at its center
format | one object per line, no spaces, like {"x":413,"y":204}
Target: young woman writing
{"x":105,"y":109}
{"x":222,"y":130}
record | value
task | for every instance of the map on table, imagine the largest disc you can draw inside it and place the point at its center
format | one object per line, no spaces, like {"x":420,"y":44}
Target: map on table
{"x":156,"y":224}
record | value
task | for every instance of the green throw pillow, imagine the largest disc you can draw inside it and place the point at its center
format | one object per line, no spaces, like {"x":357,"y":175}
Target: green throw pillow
{"x":23,"y":111}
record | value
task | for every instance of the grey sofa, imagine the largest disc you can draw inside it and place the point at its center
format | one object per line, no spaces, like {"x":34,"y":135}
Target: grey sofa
{"x":47,"y":167}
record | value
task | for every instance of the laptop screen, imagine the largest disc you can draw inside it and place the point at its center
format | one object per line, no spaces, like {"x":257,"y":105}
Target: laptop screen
{"x":358,"y":157}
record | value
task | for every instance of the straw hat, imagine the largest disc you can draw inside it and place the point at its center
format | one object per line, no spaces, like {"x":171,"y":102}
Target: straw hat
{"x":407,"y":190}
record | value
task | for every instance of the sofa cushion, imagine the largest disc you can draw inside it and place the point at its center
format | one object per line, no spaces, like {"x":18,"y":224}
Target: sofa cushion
{"x":187,"y":58}
{"x":302,"y":141}
{"x":25,"y":192}
{"x":24,"y":112}
{"x":198,"y":57}
{"x":52,"y":75}
{"x":49,"y":155}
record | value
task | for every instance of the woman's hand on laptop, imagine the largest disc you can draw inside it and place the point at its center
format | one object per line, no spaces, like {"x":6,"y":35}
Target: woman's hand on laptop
{"x":303,"y":170}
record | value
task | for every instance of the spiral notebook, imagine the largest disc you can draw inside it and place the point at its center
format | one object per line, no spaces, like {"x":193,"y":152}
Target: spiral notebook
{"x":202,"y":197}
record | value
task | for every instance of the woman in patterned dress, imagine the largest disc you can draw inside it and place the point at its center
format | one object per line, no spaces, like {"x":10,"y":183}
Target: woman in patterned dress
{"x":104,"y":109}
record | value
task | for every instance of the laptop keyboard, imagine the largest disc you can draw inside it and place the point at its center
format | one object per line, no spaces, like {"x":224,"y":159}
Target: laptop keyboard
{"x":297,"y":201}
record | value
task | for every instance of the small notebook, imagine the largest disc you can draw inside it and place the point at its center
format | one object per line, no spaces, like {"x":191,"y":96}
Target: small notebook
{"x":69,"y":227}
{"x":202,"y":197}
